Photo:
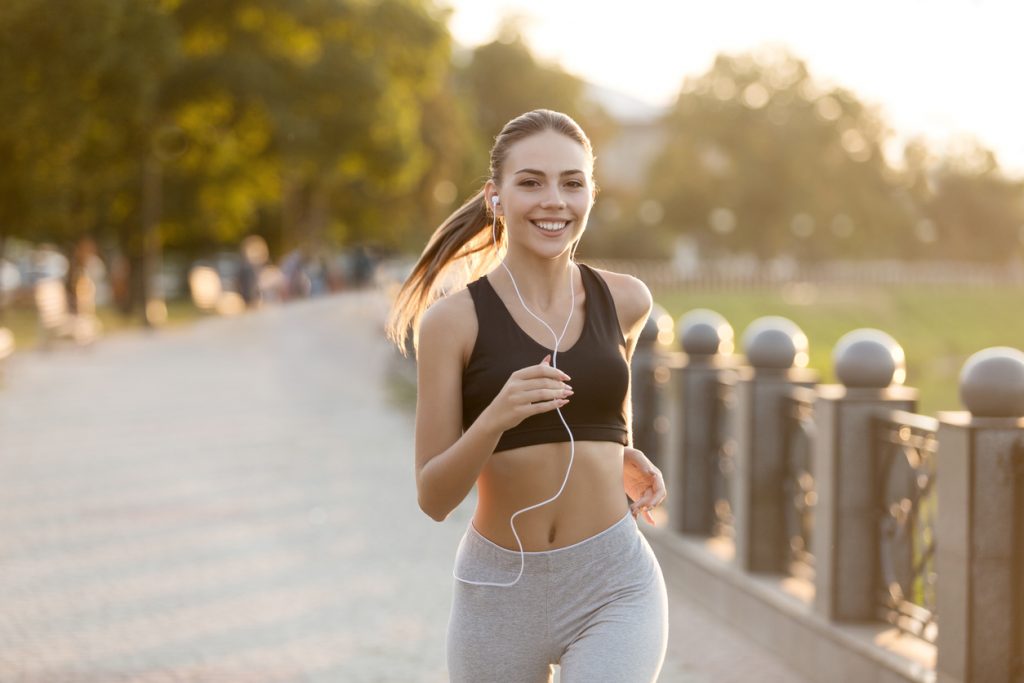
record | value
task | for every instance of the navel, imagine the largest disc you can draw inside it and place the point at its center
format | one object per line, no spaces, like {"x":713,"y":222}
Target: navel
{"x":551,"y":534}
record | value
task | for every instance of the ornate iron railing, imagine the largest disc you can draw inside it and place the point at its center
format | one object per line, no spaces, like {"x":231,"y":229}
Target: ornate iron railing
{"x":798,"y":430}
{"x":906,"y":445}
{"x":723,"y":451}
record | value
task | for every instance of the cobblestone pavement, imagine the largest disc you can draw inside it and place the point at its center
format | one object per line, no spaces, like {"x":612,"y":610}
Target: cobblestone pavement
{"x":233,"y":502}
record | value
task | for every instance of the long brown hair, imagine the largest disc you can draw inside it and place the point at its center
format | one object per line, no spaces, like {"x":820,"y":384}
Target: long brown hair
{"x":462,"y":248}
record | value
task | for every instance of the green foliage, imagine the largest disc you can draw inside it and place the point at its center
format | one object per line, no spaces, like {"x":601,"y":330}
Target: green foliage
{"x":310,"y":105}
{"x":248,"y":105}
{"x":79,"y":91}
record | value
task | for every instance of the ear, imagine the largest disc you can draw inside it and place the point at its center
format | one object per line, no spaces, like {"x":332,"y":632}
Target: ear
{"x":490,"y":192}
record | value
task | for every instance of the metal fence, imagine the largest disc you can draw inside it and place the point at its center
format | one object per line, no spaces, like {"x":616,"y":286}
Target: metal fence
{"x":723,"y":452}
{"x":907,"y":509}
{"x":798,"y":438}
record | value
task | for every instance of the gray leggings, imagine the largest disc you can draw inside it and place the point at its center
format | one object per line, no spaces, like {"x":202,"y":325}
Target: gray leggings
{"x":598,"y":608}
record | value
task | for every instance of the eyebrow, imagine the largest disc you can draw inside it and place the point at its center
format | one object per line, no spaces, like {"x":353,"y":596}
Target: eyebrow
{"x":536,"y":172}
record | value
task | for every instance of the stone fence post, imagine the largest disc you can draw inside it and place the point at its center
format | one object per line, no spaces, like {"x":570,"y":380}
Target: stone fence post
{"x":707,"y":342}
{"x":650,"y":376}
{"x":776,"y":350}
{"x":980,"y":524}
{"x":871,"y":368}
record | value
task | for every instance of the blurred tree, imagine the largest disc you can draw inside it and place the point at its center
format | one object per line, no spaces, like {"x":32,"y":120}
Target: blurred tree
{"x":971,"y":209}
{"x":80,"y":93}
{"x":321,"y":102}
{"x":758,"y":157}
{"x":452,"y":166}
{"x":503,"y":79}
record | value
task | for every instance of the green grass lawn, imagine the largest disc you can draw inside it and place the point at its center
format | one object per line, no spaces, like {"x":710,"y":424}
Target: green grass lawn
{"x":939,"y":327}
{"x":24,"y":324}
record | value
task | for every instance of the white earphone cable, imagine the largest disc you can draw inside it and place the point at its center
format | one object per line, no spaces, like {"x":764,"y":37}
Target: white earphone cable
{"x":572,"y":442}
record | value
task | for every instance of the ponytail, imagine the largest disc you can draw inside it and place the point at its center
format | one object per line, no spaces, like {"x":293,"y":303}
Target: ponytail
{"x":460,"y":250}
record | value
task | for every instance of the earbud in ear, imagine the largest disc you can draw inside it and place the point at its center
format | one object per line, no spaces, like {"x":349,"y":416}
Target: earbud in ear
{"x":495,"y":200}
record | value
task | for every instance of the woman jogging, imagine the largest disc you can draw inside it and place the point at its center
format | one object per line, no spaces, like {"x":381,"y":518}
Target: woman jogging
{"x":523,"y":391}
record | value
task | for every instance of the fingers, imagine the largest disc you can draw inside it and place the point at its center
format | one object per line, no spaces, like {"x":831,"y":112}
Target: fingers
{"x":542,"y":370}
{"x":651,"y":498}
{"x":643,"y":508}
{"x":538,"y":389}
{"x":530,"y":409}
{"x":548,"y":394}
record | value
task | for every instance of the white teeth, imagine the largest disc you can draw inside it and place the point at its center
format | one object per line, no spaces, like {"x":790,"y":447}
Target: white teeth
{"x":551,"y":227}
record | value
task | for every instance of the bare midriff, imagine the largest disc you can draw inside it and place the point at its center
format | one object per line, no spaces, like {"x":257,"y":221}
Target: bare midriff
{"x":592,"y":501}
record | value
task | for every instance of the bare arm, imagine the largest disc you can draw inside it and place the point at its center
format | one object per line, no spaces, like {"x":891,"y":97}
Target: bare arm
{"x":448,"y":460}
{"x":633,"y":302}
{"x":642,"y":481}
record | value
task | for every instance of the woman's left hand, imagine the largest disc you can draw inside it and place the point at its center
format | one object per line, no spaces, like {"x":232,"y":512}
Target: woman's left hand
{"x":643,"y":483}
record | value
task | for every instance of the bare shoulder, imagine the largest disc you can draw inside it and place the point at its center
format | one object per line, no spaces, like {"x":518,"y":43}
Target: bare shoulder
{"x":450,"y":322}
{"x":633,"y":299}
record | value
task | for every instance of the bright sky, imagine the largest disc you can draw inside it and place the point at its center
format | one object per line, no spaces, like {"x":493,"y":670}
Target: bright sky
{"x":941,"y":68}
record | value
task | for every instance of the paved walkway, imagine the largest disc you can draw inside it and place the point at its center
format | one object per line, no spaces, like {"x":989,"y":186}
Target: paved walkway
{"x":233,"y":502}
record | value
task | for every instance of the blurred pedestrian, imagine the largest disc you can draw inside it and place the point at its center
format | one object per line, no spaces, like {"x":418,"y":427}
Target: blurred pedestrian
{"x":255,"y":255}
{"x":293,"y":270}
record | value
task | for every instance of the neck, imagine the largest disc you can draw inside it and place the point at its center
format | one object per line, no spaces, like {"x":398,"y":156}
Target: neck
{"x":543,"y":284}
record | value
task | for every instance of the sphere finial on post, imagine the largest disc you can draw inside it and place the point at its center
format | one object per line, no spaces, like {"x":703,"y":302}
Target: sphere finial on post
{"x":775,"y":343}
{"x":704,"y":332}
{"x":992,"y":383}
{"x":869,"y":358}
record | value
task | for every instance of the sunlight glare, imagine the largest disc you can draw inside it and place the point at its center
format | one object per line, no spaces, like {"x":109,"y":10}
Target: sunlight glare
{"x":755,"y":96}
{"x":724,"y":88}
{"x":855,"y":145}
{"x":926,"y":231}
{"x":204,"y":283}
{"x":828,"y":108}
{"x":802,"y":225}
{"x":722,"y":220}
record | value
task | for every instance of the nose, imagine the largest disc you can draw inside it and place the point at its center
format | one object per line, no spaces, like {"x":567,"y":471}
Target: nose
{"x":554,"y":198}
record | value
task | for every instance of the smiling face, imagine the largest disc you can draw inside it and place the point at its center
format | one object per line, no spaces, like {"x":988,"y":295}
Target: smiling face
{"x":546,"y":193}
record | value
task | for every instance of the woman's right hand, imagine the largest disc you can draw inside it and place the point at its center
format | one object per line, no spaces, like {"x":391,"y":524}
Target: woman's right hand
{"x":532,"y":390}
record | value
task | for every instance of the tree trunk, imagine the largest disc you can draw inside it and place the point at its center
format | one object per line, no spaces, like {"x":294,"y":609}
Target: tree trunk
{"x":151,"y":257}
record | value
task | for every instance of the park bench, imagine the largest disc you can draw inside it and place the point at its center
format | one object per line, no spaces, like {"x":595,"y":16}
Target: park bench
{"x":56,"y":321}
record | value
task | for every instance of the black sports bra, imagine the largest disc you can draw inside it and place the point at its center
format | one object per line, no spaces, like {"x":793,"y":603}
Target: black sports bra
{"x":596,"y":363}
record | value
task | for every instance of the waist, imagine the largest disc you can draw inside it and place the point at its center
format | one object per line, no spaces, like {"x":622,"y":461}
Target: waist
{"x":591,"y":499}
